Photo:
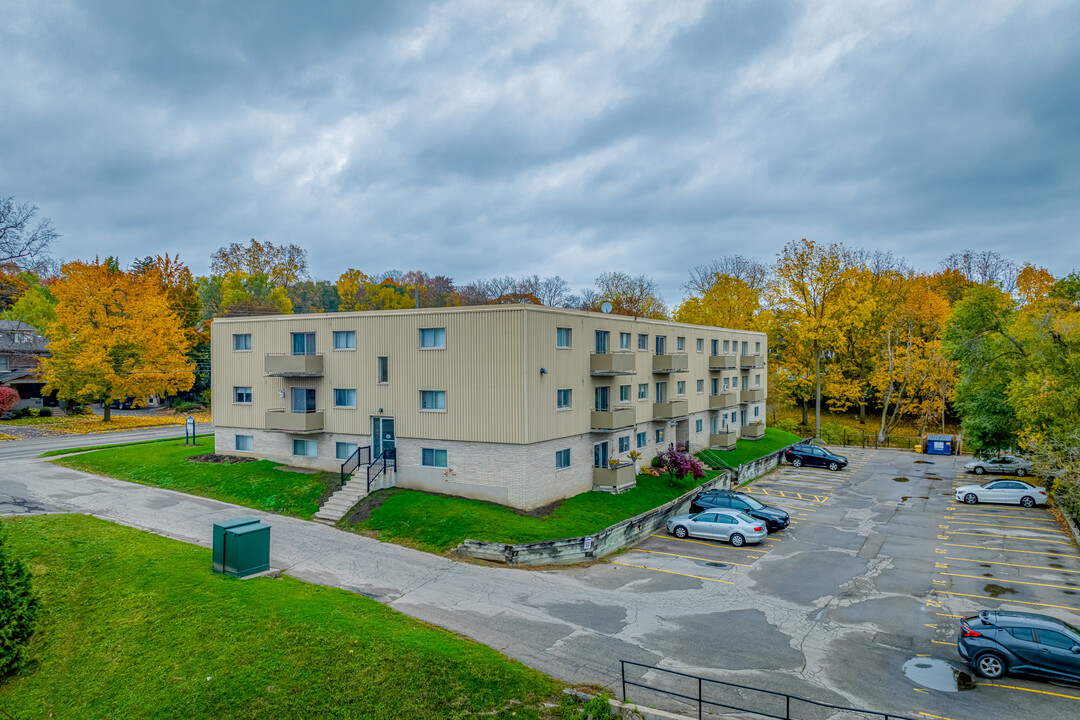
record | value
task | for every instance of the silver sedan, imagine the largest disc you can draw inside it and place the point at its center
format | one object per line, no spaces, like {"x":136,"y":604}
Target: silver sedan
{"x":1000,"y":465}
{"x":1012,"y":492}
{"x":735,"y":526}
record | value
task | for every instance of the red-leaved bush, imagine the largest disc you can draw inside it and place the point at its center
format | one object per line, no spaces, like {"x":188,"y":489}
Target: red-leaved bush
{"x":680,"y":464}
{"x":9,"y":398}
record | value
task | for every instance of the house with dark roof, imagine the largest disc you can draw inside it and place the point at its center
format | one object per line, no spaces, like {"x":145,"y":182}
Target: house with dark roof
{"x":21,"y":346}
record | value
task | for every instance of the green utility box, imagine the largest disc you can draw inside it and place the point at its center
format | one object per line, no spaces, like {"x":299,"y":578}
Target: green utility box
{"x":241,"y":547}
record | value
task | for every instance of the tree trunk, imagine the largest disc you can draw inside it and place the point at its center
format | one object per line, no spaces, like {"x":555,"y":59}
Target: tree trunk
{"x":805,"y":413}
{"x":817,"y":391}
{"x":107,"y":416}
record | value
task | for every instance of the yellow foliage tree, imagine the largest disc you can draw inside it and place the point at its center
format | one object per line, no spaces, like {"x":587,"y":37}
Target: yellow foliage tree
{"x":729,"y":303}
{"x":115,"y":336}
{"x":1033,"y":283}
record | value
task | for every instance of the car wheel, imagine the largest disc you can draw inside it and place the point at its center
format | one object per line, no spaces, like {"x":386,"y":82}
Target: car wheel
{"x":970,"y":499}
{"x":1021,"y":472}
{"x":979,"y":469}
{"x":834,"y":466}
{"x":991,"y":665}
{"x":797,"y":462}
{"x":1027,"y":501}
{"x":680,"y":531}
{"x":737,"y":540}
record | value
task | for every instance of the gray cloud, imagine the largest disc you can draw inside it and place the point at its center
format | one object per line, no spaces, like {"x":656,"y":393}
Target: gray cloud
{"x":480,"y":138}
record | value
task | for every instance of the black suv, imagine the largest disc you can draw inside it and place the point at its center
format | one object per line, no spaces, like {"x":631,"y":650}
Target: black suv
{"x":813,"y":456}
{"x":773,"y":518}
{"x":996,"y":642}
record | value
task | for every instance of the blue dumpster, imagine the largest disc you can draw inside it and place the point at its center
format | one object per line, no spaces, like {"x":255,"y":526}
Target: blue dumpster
{"x":939,"y":444}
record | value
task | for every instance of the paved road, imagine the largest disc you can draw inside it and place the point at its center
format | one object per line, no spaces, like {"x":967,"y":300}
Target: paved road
{"x":831,"y":611}
{"x":27,"y":449}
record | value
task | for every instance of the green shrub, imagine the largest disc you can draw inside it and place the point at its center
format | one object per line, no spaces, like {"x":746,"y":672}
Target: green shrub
{"x":44,"y":412}
{"x":658,"y":462}
{"x":18,"y":611}
{"x":187,"y":406}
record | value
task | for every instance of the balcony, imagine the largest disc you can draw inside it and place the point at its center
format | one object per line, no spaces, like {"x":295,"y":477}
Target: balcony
{"x":748,"y":362}
{"x":613,"y":419}
{"x":283,"y":365}
{"x":280,"y":420}
{"x":669,"y":410}
{"x":620,"y":363}
{"x":752,"y":432}
{"x":749,"y":396}
{"x":614,"y":479}
{"x":670,"y":363}
{"x":723,"y":362}
{"x":723,"y":400}
{"x":723,"y":440}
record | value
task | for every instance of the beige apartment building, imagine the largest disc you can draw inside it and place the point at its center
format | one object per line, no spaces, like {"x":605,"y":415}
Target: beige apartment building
{"x":517,"y":404}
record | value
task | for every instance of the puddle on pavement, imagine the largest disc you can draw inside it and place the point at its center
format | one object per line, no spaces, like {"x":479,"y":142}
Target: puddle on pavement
{"x":996,"y":590}
{"x":983,"y":565}
{"x":1056,"y":565}
{"x":905,"y":498}
{"x":924,"y":462}
{"x":899,"y":479}
{"x":716,"y":564}
{"x":1069,"y":592}
{"x":987,"y":575}
{"x":937,"y":675}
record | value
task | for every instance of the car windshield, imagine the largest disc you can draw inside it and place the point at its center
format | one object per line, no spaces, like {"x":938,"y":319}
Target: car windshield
{"x":754,"y":504}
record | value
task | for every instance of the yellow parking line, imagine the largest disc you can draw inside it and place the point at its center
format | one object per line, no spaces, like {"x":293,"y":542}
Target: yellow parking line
{"x":1009,"y":580}
{"x":787,"y":495}
{"x":1012,"y":537}
{"x":1019,"y":602}
{"x":1017,"y":527}
{"x":709,"y":544}
{"x":669,"y":572}
{"x":995,"y":515}
{"x":690,"y":557}
{"x":940,"y":642}
{"x":1033,"y":567}
{"x":980,"y":547}
{"x":948,"y":615}
{"x":935,"y":717}
{"x":1041,"y":692}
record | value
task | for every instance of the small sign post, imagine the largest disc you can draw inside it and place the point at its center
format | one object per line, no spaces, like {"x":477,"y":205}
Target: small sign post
{"x":586,"y":545}
{"x":189,"y":431}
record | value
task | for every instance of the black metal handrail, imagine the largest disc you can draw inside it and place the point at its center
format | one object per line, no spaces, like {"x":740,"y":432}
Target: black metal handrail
{"x":702,"y":702}
{"x":388,"y":457}
{"x":354,"y":460}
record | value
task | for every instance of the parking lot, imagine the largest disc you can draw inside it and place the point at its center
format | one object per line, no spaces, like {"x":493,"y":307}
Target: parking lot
{"x":863,"y":593}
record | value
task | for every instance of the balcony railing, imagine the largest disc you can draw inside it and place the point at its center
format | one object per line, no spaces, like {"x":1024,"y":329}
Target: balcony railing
{"x":281,"y":420}
{"x":723,"y":400}
{"x":723,"y":362}
{"x":669,"y":410}
{"x":723,"y":440}
{"x":620,"y":477}
{"x":749,"y":396}
{"x":752,"y":432}
{"x":747,"y":362}
{"x":613,"y":419}
{"x":620,"y":363}
{"x":670,"y":363}
{"x":286,"y":365}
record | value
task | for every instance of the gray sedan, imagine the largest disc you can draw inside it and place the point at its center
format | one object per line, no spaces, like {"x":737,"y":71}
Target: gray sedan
{"x":735,"y":526}
{"x":1001,"y":465}
{"x":1012,"y":492}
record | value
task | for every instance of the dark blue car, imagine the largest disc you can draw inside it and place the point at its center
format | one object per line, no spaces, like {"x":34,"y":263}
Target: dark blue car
{"x":814,"y":456}
{"x":996,"y":642}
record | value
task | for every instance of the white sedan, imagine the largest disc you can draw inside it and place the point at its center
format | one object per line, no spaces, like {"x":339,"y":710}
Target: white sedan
{"x":1012,"y":492}
{"x":735,"y":526}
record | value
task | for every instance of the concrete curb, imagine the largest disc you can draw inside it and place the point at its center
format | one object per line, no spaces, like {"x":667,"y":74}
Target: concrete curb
{"x":1072,"y":526}
{"x":628,"y":711}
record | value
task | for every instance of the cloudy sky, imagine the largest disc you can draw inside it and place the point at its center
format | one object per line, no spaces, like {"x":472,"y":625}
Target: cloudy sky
{"x":480,"y":138}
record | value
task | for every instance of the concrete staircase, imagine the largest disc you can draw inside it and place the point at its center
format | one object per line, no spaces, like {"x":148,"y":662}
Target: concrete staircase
{"x":355,"y":490}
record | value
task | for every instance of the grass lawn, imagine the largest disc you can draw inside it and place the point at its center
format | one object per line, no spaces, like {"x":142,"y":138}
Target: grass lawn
{"x":135,"y":625}
{"x":87,"y":424}
{"x":90,"y":448}
{"x":747,"y":450}
{"x":257,"y":485}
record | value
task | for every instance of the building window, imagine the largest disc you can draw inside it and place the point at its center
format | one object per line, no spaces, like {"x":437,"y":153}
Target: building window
{"x":746,"y":347}
{"x":384,"y":369}
{"x":5,"y":364}
{"x":713,"y":424}
{"x":715,"y":386}
{"x":642,"y":342}
{"x":344,"y":398}
{"x":432,"y":338}
{"x":642,"y":439}
{"x":757,"y":348}
{"x":698,"y":425}
{"x":680,"y":388}
{"x":432,"y":399}
{"x":701,"y":345}
{"x":562,"y":398}
{"x":344,"y":450}
{"x":430,"y":457}
{"x":660,"y":436}
{"x":562,"y":459}
{"x":680,"y":344}
{"x":602,"y":342}
{"x":303,"y":343}
{"x":624,"y":393}
{"x":701,"y":386}
{"x":563,"y":337}
{"x":245,"y":443}
{"x":305,"y":448}
{"x":242,"y":394}
{"x":661,"y":345}
{"x":344,"y":339}
{"x":727,"y":382}
{"x":624,"y":341}
{"x":624,"y":444}
{"x":734,"y":417}
{"x":241,"y":341}
{"x":756,"y":410}
{"x":727,"y":345}
{"x":715,"y":347}
{"x":757,"y":380}
{"x":643,"y":391}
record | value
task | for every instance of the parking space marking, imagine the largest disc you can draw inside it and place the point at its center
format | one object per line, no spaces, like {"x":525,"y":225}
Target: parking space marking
{"x":1010,"y":580}
{"x":1033,"y":567}
{"x":788,"y":495}
{"x":709,"y":544}
{"x":1030,"y":690}
{"x":996,"y":515}
{"x":669,"y":572}
{"x":1013,"y":537}
{"x":942,"y":642}
{"x":1016,"y":527}
{"x":691,"y":557}
{"x":1003,"y":600}
{"x":935,"y":717}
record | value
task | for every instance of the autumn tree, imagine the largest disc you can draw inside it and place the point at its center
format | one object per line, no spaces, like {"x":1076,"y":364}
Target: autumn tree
{"x":36,"y":306}
{"x":634,"y":295}
{"x":23,"y":241}
{"x":310,"y":296}
{"x":983,"y":267}
{"x":729,"y":303}
{"x":1033,"y":283}
{"x":752,"y":273}
{"x":115,"y":336}
{"x":282,"y":264}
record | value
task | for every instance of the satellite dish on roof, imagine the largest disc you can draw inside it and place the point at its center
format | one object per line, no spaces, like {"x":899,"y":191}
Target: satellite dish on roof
{"x":606,"y":307}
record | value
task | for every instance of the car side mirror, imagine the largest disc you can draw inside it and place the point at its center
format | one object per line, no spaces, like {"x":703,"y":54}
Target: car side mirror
{"x":1076,"y":649}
